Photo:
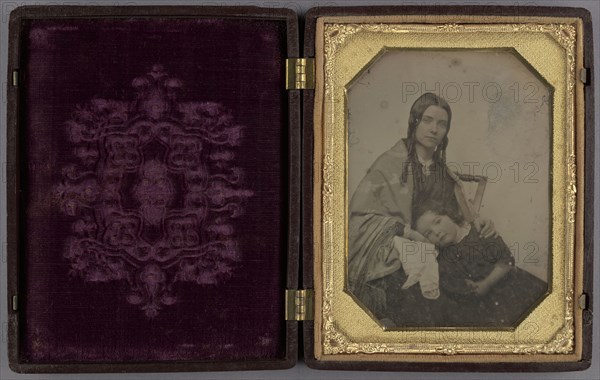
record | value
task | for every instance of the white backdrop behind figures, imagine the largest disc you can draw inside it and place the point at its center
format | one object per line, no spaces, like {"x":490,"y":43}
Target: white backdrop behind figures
{"x":500,"y":128}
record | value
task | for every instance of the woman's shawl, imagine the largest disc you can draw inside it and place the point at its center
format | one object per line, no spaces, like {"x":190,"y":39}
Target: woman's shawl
{"x":380,"y":206}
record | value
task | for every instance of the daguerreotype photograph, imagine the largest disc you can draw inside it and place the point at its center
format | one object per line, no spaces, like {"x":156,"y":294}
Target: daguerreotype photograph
{"x":448,"y":224}
{"x":449,"y":188}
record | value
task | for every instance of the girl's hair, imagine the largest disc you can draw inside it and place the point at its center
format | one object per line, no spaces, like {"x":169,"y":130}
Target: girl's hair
{"x":437,"y":208}
{"x":416,"y":114}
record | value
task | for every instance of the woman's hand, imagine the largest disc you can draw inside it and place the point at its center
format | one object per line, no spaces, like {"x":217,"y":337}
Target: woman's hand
{"x":485,"y":227}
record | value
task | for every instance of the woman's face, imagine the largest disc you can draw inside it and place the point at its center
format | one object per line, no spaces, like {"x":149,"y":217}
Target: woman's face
{"x":439,"y":229}
{"x":432,"y":127}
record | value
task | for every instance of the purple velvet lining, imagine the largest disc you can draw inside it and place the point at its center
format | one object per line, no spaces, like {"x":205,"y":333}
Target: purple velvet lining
{"x":108,"y":303}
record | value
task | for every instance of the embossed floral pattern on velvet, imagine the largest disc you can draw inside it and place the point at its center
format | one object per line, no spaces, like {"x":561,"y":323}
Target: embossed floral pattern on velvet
{"x":153,"y":192}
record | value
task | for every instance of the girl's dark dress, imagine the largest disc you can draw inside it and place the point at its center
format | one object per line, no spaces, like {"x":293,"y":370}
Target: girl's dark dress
{"x":506,"y":302}
{"x":474,"y":258}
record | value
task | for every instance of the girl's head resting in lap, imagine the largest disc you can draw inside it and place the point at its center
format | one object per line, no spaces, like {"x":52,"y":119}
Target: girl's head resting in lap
{"x":438,"y":223}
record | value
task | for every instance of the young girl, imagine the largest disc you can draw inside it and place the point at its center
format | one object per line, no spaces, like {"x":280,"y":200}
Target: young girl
{"x":478,"y":275}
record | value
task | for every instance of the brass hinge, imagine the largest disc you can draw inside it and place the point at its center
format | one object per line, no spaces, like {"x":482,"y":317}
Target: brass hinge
{"x":582,"y":301}
{"x":15,"y":303}
{"x":299,"y":304}
{"x":15,"y":78}
{"x":299,"y":73}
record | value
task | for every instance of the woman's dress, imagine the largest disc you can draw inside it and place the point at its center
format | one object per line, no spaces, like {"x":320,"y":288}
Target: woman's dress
{"x":380,"y":208}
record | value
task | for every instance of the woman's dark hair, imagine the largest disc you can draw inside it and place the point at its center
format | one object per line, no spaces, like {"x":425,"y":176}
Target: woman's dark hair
{"x":416,"y":114}
{"x":438,"y":208}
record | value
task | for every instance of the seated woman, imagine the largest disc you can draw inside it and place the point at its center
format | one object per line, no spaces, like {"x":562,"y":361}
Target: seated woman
{"x":477,"y":275}
{"x":413,"y":171}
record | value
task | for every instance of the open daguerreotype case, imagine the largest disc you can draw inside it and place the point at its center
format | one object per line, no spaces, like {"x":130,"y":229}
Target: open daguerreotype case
{"x":187,"y":191}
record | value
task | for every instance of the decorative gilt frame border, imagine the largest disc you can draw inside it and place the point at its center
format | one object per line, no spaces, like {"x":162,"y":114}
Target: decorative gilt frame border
{"x":331,"y":343}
